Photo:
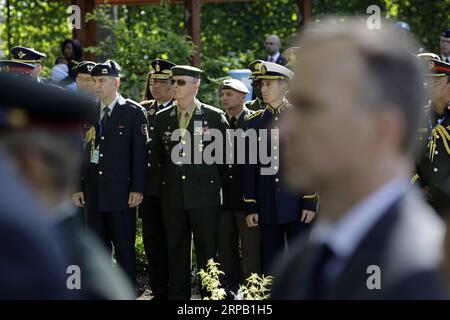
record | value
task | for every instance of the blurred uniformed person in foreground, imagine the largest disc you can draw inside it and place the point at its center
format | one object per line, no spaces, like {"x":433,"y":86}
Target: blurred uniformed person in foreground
{"x":433,"y":171}
{"x":39,"y":137}
{"x":256,"y":103}
{"x":16,"y":68}
{"x":150,"y":212}
{"x":280,"y":213}
{"x":31,"y":56}
{"x":190,"y":191}
{"x":233,"y":229}
{"x":115,"y":159}
{"x":355,"y":143}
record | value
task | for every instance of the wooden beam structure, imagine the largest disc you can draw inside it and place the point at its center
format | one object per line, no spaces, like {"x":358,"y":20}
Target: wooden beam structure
{"x":305,"y":7}
{"x":87,"y":33}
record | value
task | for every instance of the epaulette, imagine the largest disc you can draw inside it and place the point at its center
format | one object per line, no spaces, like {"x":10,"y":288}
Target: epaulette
{"x":146,"y":102}
{"x":253,"y":115}
{"x":133,"y":102}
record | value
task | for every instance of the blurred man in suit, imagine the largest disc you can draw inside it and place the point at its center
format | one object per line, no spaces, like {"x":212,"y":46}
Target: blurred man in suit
{"x":355,"y":143}
{"x":44,"y":155}
{"x":273,"y":45}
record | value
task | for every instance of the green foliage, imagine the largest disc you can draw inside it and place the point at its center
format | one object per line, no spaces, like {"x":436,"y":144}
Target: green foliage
{"x":134,"y":44}
{"x":141,"y":259}
{"x":232,"y":33}
{"x":255,"y":288}
{"x":39,"y":24}
{"x":210,"y":280}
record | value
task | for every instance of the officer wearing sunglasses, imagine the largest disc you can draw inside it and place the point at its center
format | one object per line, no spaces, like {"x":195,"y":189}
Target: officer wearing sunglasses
{"x":190,"y":191}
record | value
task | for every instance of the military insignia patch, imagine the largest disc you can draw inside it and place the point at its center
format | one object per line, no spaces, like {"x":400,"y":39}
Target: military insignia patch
{"x":263,"y":69}
{"x":151,"y":111}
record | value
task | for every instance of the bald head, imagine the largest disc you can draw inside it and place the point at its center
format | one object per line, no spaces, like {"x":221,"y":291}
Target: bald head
{"x":272,"y":44}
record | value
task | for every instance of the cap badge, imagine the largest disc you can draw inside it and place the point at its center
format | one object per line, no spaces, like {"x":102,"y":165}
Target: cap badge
{"x":21,"y":54}
{"x":430,"y":64}
{"x":104,"y":71}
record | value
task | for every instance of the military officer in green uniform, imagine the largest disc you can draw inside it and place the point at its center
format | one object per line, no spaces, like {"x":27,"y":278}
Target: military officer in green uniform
{"x":150,"y":209}
{"x":433,"y":171}
{"x":181,"y":141}
{"x":257,"y":103}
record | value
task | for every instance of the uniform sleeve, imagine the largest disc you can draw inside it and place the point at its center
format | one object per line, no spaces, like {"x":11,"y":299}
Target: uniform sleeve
{"x":139,"y":152}
{"x":310,"y":202}
{"x":223,"y":127}
{"x":250,"y":180}
{"x":155,"y":143}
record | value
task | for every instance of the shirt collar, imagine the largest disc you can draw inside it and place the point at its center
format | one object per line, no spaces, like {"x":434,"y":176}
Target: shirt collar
{"x":163,"y":105}
{"x":278,"y":110}
{"x":189,"y":109}
{"x":274,"y":57}
{"x":344,"y":236}
{"x":111,"y":105}
{"x":237,"y":116}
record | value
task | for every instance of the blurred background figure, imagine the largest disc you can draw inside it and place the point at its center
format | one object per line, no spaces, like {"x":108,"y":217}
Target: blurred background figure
{"x":273,"y":46}
{"x":401,"y":25}
{"x":65,"y":70}
{"x":355,"y":143}
{"x":31,"y":56}
{"x":445,"y":45}
{"x":41,"y":138}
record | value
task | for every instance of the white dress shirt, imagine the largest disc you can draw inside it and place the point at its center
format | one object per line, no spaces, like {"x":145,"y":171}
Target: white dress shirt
{"x":110,"y":106}
{"x":274,"y":57}
{"x":344,"y":236}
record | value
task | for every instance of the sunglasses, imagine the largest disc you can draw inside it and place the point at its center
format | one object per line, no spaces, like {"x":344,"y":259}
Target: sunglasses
{"x":179,"y":82}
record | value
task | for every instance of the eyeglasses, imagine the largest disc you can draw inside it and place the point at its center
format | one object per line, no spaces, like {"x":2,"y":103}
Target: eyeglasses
{"x":179,"y":82}
{"x":159,"y":82}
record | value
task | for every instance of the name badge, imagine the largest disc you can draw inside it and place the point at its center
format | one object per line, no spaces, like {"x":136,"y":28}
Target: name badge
{"x":95,"y":156}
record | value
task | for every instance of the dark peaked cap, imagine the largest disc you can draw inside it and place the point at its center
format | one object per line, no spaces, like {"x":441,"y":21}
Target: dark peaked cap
{"x":27,"y":103}
{"x":107,"y":68}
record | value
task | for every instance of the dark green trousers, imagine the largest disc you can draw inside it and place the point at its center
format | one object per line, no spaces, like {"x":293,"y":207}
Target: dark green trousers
{"x":180,"y":226}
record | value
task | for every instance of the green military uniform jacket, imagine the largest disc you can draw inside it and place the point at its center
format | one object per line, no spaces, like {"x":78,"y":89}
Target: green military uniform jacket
{"x":188,"y":186}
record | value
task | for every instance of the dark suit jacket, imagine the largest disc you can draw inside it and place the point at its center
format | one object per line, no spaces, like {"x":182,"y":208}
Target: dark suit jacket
{"x":233,"y":184}
{"x":281,"y":60}
{"x":188,"y":186}
{"x":154,"y":170}
{"x":123,"y":159}
{"x":406,"y":244}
